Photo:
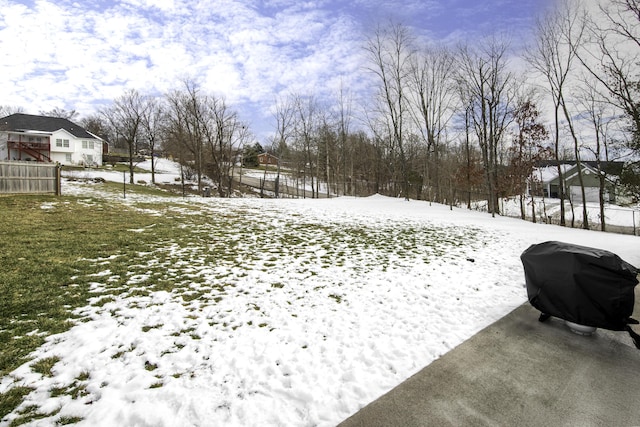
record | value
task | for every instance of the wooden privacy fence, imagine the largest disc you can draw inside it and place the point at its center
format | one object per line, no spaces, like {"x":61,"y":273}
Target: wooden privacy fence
{"x":29,"y":177}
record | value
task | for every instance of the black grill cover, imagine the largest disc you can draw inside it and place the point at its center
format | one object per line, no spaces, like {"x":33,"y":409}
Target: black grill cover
{"x":588,"y":286}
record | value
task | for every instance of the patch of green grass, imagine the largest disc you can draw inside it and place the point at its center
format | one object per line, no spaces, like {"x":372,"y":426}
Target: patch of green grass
{"x":58,"y":391}
{"x":104,"y":300}
{"x":150,"y":366}
{"x":44,"y":248}
{"x":74,"y":390}
{"x":118,"y":355}
{"x":338,"y":298}
{"x":31,"y":413}
{"x":66,"y":420}
{"x":83,"y":376}
{"x":44,"y":366}
{"x":190,"y":296}
{"x":139,"y":292}
{"x":12,"y":398}
{"x":148,"y":328}
{"x":48,"y":259}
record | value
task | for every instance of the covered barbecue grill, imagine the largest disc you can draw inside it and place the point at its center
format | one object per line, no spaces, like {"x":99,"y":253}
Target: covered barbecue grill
{"x":582,"y":285}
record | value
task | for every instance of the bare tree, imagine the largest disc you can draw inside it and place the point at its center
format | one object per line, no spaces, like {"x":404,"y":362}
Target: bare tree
{"x":469,"y":174}
{"x":97,"y":125}
{"x":433,"y":97}
{"x":345,"y":160}
{"x":209,"y":134}
{"x":241,"y":140}
{"x":152,"y":122}
{"x":526,"y":150}
{"x":7,"y":110}
{"x":614,"y":61}
{"x":389,"y":51}
{"x":326,"y":143}
{"x":489,"y":88}
{"x":466,"y":172}
{"x":187,"y":114}
{"x":599,"y":112}
{"x":384,"y":165}
{"x":284,"y":114}
{"x":559,"y":34}
{"x":222,"y":139}
{"x":124,"y":117}
{"x":61,"y":113}
{"x":306,"y":126}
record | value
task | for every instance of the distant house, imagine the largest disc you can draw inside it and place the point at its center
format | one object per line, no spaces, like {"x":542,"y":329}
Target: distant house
{"x":546,"y":178}
{"x":266,"y":159}
{"x":48,"y":139}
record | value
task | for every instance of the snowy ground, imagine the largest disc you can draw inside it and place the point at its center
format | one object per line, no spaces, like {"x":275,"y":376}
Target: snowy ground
{"x":167,"y":172}
{"x":321,"y":306}
{"x":626,"y":217}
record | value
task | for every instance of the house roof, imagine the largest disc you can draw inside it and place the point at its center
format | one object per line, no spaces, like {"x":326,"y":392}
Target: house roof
{"x":27,"y":122}
{"x":548,"y":174}
{"x":610,"y":167}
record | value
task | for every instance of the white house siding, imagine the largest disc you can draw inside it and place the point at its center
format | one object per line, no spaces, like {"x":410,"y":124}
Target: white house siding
{"x":92,"y":153}
{"x":61,"y":140}
{"x":79,"y":155}
{"x":59,"y":154}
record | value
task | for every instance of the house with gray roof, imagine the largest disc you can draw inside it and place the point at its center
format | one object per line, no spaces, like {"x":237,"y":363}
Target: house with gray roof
{"x":26,"y":137}
{"x":546,"y":178}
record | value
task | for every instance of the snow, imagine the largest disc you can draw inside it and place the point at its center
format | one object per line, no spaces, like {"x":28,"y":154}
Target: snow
{"x":547,"y":173}
{"x":167,"y":172}
{"x":620,"y":216}
{"x":333,"y":304}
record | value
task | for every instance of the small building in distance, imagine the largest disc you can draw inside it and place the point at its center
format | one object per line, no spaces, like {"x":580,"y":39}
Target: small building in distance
{"x":266,"y":159}
{"x":546,"y":178}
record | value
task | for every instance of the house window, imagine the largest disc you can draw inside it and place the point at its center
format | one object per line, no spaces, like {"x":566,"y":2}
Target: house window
{"x":84,"y":144}
{"x":89,"y":159}
{"x":91,"y":145}
{"x":65,"y":143}
{"x":67,"y":157}
{"x":58,"y":143}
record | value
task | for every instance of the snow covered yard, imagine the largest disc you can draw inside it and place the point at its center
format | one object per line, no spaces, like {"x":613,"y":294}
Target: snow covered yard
{"x":279,"y":312}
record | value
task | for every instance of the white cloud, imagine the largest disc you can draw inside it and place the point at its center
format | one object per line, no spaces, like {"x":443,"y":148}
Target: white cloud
{"x":70,"y":53}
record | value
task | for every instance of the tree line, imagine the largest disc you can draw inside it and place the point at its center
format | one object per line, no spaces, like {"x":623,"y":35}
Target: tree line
{"x":461,"y":124}
{"x":449,"y":124}
{"x":456,"y":124}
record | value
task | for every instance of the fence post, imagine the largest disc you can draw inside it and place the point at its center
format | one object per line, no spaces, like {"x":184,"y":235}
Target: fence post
{"x":58,"y":182}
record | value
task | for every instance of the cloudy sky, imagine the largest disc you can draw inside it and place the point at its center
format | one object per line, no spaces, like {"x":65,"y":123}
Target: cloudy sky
{"x":82,"y":54}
